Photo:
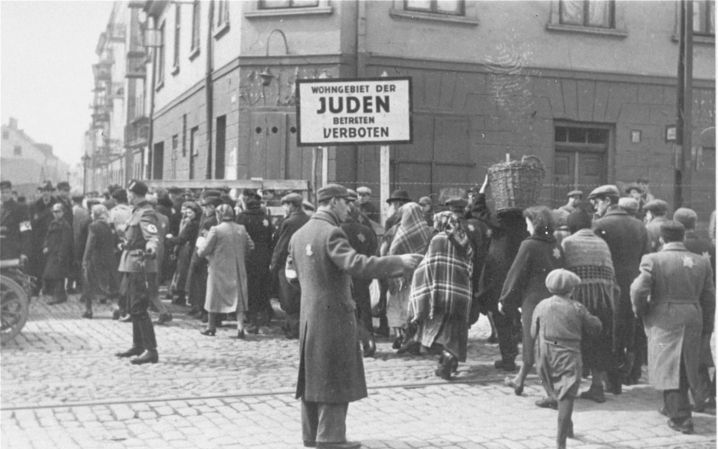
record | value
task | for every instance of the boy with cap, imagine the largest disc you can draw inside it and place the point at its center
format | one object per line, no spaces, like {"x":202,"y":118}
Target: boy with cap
{"x":557,"y":325}
{"x":655,"y":216}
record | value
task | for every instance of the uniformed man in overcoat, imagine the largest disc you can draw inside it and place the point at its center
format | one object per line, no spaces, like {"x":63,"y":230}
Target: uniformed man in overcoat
{"x":628,"y":241}
{"x":288,"y":294}
{"x":331,"y":372}
{"x":675,"y":295}
{"x":15,"y":229}
{"x":139,"y":267}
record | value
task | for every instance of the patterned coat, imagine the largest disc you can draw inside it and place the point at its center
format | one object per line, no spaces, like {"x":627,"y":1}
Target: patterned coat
{"x":330,"y":361}
{"x":675,"y":296}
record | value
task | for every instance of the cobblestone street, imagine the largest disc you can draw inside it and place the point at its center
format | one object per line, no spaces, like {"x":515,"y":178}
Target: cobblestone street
{"x":62,"y":387}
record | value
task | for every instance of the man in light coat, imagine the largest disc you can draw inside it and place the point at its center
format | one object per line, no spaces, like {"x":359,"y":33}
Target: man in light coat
{"x":675,"y":296}
{"x":331,"y":372}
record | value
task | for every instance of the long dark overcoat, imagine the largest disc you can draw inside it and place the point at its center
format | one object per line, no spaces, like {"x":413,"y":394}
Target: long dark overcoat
{"x":260,"y":228}
{"x":59,"y":250}
{"x":289,"y":295}
{"x":680,"y":309}
{"x":40,"y":219}
{"x":330,"y":360}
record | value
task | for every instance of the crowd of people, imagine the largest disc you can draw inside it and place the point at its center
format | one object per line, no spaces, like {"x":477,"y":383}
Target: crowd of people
{"x":595,"y":288}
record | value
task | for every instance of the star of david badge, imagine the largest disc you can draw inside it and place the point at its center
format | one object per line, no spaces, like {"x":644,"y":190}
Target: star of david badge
{"x":471,"y":228}
{"x":688,"y":262}
{"x":265,"y":222}
{"x":308,"y":250}
{"x":361,"y":237}
{"x":556,"y":253}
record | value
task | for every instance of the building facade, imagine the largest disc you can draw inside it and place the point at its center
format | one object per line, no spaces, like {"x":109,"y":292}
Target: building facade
{"x":27,"y":163}
{"x":588,"y":87}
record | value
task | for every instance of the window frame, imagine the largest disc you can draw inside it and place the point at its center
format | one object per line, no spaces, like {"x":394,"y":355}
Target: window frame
{"x":177,"y":39}
{"x":253,"y":10}
{"x":261,"y":5}
{"x":433,"y":8}
{"x":468,"y":18}
{"x":619,"y":29}
{"x":587,"y":12}
{"x":196,"y":30}
{"x":161,"y":56}
{"x":221,"y":21}
{"x":704,"y":14}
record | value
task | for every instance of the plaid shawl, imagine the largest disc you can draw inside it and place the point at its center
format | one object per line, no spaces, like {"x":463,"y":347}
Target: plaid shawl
{"x":442,"y":281}
{"x":413,"y":234}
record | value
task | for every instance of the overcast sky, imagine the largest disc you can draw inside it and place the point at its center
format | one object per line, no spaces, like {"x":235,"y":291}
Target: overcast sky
{"x":47,"y":51}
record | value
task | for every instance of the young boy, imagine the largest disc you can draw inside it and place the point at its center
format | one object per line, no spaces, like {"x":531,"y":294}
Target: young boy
{"x":557,"y":325}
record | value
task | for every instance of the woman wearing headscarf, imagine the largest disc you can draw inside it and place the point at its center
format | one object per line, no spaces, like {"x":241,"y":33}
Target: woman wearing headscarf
{"x":441,"y":293}
{"x":558,"y":323}
{"x":226,"y":248}
{"x":587,"y":255}
{"x":184,"y":245}
{"x":412,"y":237}
{"x":98,"y":260}
{"x":525,"y":285}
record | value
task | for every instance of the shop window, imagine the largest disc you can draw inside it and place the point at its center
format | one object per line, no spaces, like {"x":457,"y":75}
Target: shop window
{"x":452,"y":7}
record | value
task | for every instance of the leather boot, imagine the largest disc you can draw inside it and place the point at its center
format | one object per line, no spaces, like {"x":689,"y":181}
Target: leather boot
{"x":137,"y":347}
{"x":149,"y":342}
{"x":149,"y":356}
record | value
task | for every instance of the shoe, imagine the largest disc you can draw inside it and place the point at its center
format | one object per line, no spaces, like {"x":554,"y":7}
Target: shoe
{"x":87,"y":314}
{"x":116,"y":314}
{"x":370,"y":347}
{"x":397,"y":343}
{"x":518,"y":389}
{"x":125,"y":318}
{"x":447,"y":365}
{"x":310,"y":443}
{"x":129,"y":353}
{"x":613,"y":384}
{"x":146,"y":357}
{"x":506,"y":365}
{"x":54,"y":302}
{"x":208,"y":332}
{"x":164,"y":318}
{"x":594,"y":394}
{"x":663,"y":412}
{"x":241,"y":335}
{"x":253,"y":329}
{"x":344,"y":445}
{"x":547,"y":403}
{"x":493,"y":339}
{"x":685,"y":427}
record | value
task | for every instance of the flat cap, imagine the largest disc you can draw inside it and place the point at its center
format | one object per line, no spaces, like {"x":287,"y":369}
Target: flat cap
{"x":575,"y":193}
{"x":63,"y":185}
{"x":292,"y":198}
{"x":685,"y":216}
{"x":5,"y":185}
{"x":137,"y":187}
{"x":658,"y":207}
{"x":456,"y":202}
{"x":209,"y":193}
{"x":399,"y":195}
{"x":330,"y":191}
{"x":46,"y":187}
{"x":635,"y":187}
{"x":174,"y":190}
{"x":210,"y":201}
{"x":364,"y":190}
{"x":672,"y":231}
{"x":307,"y":205}
{"x":628,"y":204}
{"x":352,"y":195}
{"x":425,"y":201}
{"x":578,"y":219}
{"x":604,"y":190}
{"x":562,"y":282}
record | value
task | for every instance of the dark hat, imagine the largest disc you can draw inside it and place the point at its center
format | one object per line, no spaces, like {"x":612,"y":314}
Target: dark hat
{"x":224,"y":212}
{"x":5,"y":185}
{"x":292,"y":198}
{"x":574,"y":193}
{"x":331,"y":191}
{"x":352,"y":195}
{"x":685,"y":216}
{"x":604,"y":191}
{"x":138,"y":187}
{"x":120,"y":195}
{"x":578,"y":219}
{"x":629,"y":204}
{"x":46,"y":187}
{"x":63,"y":185}
{"x":174,"y":190}
{"x":672,"y":231}
{"x":307,"y":205}
{"x":657,"y":207}
{"x":633,"y":187}
{"x":456,"y":202}
{"x":562,"y":282}
{"x":77,"y":198}
{"x":210,"y":201}
{"x":399,"y":195}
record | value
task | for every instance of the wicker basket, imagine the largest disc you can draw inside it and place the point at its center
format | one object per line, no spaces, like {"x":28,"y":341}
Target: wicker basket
{"x":516,"y":184}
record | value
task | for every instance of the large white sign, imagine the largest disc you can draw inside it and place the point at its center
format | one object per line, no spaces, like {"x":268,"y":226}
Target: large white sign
{"x":340,"y":111}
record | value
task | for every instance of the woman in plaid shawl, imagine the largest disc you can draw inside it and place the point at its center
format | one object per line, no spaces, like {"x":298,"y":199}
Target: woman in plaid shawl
{"x":441,"y":293}
{"x":412,"y":237}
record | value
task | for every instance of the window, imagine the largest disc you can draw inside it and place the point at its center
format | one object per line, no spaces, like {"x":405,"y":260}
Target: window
{"x":587,"y":13}
{"x":17,"y":150}
{"x":193,"y":149}
{"x":194,"y":48}
{"x":452,"y":7}
{"x":161,"y":57}
{"x":220,"y":147}
{"x":5,"y":134}
{"x":703,"y":17}
{"x":176,"y":54}
{"x":184,"y":135}
{"x":222,"y":13}
{"x":274,"y":4}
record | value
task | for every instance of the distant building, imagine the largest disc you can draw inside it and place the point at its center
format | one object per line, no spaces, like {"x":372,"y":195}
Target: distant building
{"x":27,"y":163}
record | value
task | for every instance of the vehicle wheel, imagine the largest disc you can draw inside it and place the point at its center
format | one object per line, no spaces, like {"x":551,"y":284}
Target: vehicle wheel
{"x":13,"y":308}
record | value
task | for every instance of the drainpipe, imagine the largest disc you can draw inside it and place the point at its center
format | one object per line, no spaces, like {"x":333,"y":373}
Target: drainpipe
{"x":208,"y":90}
{"x":359,"y":64}
{"x":152,"y":109}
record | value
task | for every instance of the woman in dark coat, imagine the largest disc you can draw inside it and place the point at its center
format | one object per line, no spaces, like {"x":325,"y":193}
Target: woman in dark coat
{"x":57,"y":248}
{"x":98,"y":260}
{"x":525,"y":284}
{"x":260,"y":229}
{"x":184,"y":246}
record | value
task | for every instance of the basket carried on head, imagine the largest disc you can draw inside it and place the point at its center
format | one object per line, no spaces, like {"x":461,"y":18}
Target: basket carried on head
{"x":516,"y":184}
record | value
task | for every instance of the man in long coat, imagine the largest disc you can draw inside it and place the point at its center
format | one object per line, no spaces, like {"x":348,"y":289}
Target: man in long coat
{"x":57,"y":248}
{"x":680,"y":310}
{"x":288,"y":294}
{"x":628,"y":241}
{"x":331,"y":372}
{"x":40,"y":219}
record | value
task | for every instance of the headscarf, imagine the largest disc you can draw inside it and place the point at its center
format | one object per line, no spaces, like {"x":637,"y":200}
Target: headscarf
{"x":413,"y":234}
{"x":448,"y":223}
